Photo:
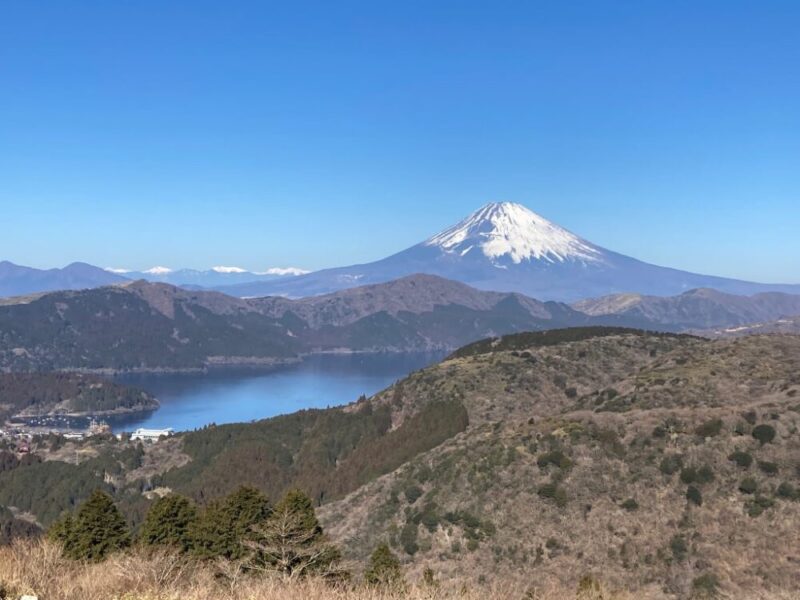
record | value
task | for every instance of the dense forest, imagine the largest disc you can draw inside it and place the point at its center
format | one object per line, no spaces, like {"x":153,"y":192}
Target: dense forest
{"x":37,"y":394}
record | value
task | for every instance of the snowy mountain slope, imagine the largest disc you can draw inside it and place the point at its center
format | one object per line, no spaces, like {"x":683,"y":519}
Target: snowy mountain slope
{"x":208,"y":278}
{"x":506,"y":247}
{"x":513,"y":233}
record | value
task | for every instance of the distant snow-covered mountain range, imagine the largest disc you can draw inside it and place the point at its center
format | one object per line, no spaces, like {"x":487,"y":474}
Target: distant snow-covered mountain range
{"x":18,"y":280}
{"x":502,"y":247}
{"x":209,"y":278}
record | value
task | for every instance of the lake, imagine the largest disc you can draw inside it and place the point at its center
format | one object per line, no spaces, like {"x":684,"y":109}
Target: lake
{"x":192,"y":400}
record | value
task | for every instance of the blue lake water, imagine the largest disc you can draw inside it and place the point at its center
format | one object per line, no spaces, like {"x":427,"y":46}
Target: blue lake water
{"x":192,"y":400}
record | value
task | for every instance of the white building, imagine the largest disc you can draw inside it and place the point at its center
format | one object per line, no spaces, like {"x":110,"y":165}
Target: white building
{"x":151,"y":435}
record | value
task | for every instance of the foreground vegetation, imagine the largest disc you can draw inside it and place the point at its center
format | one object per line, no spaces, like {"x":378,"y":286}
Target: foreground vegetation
{"x":38,"y":567}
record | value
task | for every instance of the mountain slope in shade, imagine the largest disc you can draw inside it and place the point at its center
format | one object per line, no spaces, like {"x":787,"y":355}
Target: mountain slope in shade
{"x":16,"y":280}
{"x":506,"y":247}
{"x":695,"y":309}
{"x":151,"y":326}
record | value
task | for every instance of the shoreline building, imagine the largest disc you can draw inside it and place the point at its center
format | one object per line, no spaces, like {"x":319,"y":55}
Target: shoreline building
{"x":151,"y":435}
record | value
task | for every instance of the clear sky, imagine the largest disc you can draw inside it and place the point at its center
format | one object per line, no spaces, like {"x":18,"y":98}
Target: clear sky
{"x":257,"y":134}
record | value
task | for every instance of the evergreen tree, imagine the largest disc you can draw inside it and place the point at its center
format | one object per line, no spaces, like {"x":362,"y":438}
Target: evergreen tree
{"x":63,"y":531}
{"x":291,"y":541}
{"x":226,"y":524}
{"x":384,"y":568}
{"x":96,"y":531}
{"x":168,"y":522}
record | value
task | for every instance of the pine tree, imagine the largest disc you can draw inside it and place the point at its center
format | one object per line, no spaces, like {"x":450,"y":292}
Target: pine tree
{"x":225,"y":525}
{"x":96,"y":531}
{"x":384,"y":568}
{"x":63,"y":532}
{"x":168,"y":522}
{"x":291,"y":541}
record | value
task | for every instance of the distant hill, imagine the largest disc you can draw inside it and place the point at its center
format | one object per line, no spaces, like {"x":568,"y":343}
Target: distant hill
{"x":506,"y":247}
{"x":786,"y":325}
{"x":695,"y":309}
{"x":16,"y":280}
{"x":145,"y":325}
{"x":153,"y":326}
{"x":74,"y":394}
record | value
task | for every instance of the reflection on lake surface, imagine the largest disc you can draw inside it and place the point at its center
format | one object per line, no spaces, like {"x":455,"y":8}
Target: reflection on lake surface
{"x":192,"y":400}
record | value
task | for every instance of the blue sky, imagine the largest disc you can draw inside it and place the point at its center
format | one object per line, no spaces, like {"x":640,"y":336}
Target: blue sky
{"x":320,"y":134}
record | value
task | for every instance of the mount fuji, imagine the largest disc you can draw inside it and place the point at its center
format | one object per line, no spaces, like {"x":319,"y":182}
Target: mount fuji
{"x":506,"y":247}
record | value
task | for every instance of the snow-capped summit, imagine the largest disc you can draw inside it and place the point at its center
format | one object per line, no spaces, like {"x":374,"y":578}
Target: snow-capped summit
{"x":158,"y":271}
{"x":220,"y":275}
{"x":282,"y":271}
{"x":506,"y":247}
{"x":228,"y":270}
{"x":509,"y":230}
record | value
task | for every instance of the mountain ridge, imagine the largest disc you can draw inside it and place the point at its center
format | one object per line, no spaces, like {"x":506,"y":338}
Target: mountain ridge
{"x":152,"y":326}
{"x":696,"y":309}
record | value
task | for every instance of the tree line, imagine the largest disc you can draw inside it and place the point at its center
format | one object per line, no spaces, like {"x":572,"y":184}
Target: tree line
{"x":285,"y":539}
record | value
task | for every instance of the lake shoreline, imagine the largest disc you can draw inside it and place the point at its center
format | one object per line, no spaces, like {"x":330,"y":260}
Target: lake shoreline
{"x":190,"y":400}
{"x":236,"y":363}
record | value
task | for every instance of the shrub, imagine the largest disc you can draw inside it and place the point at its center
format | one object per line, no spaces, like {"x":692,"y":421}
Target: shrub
{"x":694,"y":496}
{"x":748,"y":485}
{"x":788,"y":491}
{"x":556,"y":457}
{"x":671,"y":464}
{"x":705,"y":586}
{"x":551,"y":491}
{"x":384,"y":568}
{"x":408,"y":539}
{"x":705,"y":474}
{"x":750,"y":417}
{"x":678,"y":547}
{"x":770,"y":468}
{"x":743,"y":459}
{"x":430,"y":520}
{"x":758,"y":505}
{"x":413,"y":493}
{"x":764,"y":433}
{"x":689,"y":475}
{"x":709,"y":428}
{"x":630,"y":504}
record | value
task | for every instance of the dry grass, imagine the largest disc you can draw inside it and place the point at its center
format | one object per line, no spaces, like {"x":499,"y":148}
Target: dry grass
{"x":37,"y":567}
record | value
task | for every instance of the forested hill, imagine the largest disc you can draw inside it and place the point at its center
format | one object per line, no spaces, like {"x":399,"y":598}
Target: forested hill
{"x":157,"y":326}
{"x":38,"y":394}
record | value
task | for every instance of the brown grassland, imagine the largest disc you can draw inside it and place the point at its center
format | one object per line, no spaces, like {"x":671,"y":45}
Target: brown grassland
{"x":37,"y":567}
